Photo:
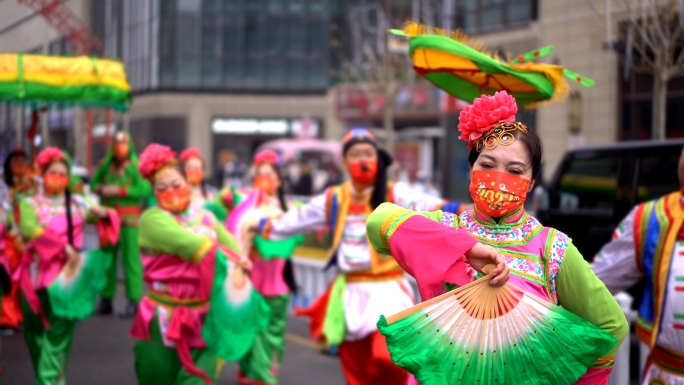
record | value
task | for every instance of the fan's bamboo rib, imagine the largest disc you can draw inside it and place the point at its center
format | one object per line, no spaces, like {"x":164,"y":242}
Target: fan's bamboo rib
{"x":407,"y":312}
{"x":534,"y":311}
{"x":467,"y":299}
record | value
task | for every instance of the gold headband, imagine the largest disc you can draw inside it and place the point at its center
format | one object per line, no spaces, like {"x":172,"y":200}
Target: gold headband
{"x":501,"y":134}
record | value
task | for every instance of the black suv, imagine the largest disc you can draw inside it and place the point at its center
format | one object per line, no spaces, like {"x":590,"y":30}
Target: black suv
{"x":594,"y":188}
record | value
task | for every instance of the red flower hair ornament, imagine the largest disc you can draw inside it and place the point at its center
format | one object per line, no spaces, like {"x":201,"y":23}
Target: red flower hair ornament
{"x":189,"y":154}
{"x":154,"y":158}
{"x":485,"y":113}
{"x":267,"y":156}
{"x":47,"y":156}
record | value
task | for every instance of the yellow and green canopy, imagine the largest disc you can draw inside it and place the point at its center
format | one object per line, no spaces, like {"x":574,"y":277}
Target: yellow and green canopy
{"x":40,"y":79}
{"x":466,"y":72}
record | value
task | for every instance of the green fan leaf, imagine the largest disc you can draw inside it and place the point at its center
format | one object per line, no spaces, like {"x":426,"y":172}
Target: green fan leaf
{"x":533,"y":55}
{"x":587,"y":82}
{"x":398,"y":32}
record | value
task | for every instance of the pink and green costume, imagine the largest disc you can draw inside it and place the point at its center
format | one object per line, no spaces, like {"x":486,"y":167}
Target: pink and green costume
{"x":133,"y":189}
{"x":193,"y":315}
{"x":53,"y":299}
{"x":272,"y":277}
{"x":542,"y":261}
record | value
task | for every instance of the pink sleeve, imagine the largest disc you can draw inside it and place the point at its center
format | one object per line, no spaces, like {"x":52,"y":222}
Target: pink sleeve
{"x":432,"y":253}
{"x":108,"y":229}
{"x":48,"y":245}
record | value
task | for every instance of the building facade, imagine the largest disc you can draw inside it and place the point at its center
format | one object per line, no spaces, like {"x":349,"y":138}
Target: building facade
{"x":216,"y":74}
{"x":22,"y":30}
{"x":194,"y":65}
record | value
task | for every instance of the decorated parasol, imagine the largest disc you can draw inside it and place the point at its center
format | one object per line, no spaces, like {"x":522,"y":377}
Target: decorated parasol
{"x":480,"y":334}
{"x":238,"y":312}
{"x":38,"y":80}
{"x":452,"y":62}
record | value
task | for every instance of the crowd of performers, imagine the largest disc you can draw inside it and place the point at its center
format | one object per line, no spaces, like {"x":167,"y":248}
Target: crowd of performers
{"x":209,"y":276}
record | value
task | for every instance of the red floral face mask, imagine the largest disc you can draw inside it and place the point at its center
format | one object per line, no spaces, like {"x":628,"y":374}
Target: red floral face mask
{"x":266,"y":183}
{"x":363,"y":172}
{"x":195,"y":176}
{"x":19,"y":169}
{"x":497,"y":193}
{"x":174,"y":200}
{"x":121,"y":150}
{"x":55,"y":183}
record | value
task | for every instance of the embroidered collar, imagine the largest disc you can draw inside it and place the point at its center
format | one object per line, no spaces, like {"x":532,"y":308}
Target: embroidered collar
{"x":359,"y":194}
{"x":517,"y":228}
{"x":509,"y":220}
{"x":50,"y":200}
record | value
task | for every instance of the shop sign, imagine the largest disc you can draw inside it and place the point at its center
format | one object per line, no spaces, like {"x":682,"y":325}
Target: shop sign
{"x":250,"y":126}
{"x":301,"y":128}
{"x":367,"y":101}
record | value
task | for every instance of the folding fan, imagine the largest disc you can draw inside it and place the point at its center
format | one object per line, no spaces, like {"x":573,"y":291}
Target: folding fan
{"x":237,"y":312}
{"x":76,"y":288}
{"x":480,"y":334}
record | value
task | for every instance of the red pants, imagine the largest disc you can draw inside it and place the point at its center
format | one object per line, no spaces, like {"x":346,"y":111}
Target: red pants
{"x":11,"y":308}
{"x":368,"y":362}
{"x":11,"y":303}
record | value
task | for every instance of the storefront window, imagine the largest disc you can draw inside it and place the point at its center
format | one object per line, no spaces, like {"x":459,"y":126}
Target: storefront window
{"x":636,"y":113}
{"x":475,"y":16}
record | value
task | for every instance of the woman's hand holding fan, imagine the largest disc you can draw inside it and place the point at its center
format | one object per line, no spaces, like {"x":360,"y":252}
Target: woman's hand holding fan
{"x":73,"y":258}
{"x":485,"y":334}
{"x":246,"y":264}
{"x":481,"y":256}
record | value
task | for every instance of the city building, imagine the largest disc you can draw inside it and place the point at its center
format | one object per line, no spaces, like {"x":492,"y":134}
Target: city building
{"x":219,"y":74}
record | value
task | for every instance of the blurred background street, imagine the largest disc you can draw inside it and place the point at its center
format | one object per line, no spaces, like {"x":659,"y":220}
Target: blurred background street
{"x":92,"y":364}
{"x":235,"y":77}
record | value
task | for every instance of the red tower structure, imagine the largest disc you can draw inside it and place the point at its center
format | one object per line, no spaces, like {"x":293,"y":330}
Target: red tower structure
{"x":84,"y":42}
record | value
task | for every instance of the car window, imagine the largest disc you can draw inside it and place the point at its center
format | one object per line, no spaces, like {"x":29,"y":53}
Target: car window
{"x":589,"y":183}
{"x":657,"y":175}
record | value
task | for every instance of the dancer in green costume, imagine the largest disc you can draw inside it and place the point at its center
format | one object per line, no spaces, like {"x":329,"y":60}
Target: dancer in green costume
{"x":120,"y":186}
{"x":201,"y":306}
{"x":52,"y":224}
{"x":272,"y":273}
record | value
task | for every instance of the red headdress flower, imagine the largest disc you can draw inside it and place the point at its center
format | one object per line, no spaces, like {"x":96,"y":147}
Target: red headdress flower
{"x":189,"y":154}
{"x":155,"y":157}
{"x":47,"y":156}
{"x":267,"y":156}
{"x":485,"y":113}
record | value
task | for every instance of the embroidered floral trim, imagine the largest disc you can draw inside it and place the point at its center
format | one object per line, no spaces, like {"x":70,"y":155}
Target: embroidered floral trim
{"x":525,"y":266}
{"x":557,"y":244}
{"x":392,"y":223}
{"x":517,"y":234}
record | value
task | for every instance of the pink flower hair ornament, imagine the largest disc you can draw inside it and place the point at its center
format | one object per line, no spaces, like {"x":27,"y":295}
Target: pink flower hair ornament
{"x":189,"y":154}
{"x":267,"y":156}
{"x":48,"y":156}
{"x":485,"y":113}
{"x":154,"y":158}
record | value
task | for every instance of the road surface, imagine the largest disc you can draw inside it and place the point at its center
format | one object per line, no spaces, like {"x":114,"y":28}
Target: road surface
{"x":102,"y":354}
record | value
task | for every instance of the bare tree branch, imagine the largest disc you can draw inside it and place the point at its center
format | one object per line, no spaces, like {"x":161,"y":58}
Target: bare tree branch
{"x":654,"y":12}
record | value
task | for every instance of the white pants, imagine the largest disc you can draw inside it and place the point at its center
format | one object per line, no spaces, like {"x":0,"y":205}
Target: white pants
{"x":365,"y":302}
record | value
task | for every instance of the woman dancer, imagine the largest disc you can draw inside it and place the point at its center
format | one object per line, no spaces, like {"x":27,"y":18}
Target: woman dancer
{"x":52,"y":225}
{"x":193,"y":166}
{"x":21,"y":183}
{"x":183,"y":257}
{"x":504,"y":159}
{"x":272,"y":273}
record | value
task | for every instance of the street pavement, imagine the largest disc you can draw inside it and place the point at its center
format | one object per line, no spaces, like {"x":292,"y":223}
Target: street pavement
{"x":102,"y":354}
